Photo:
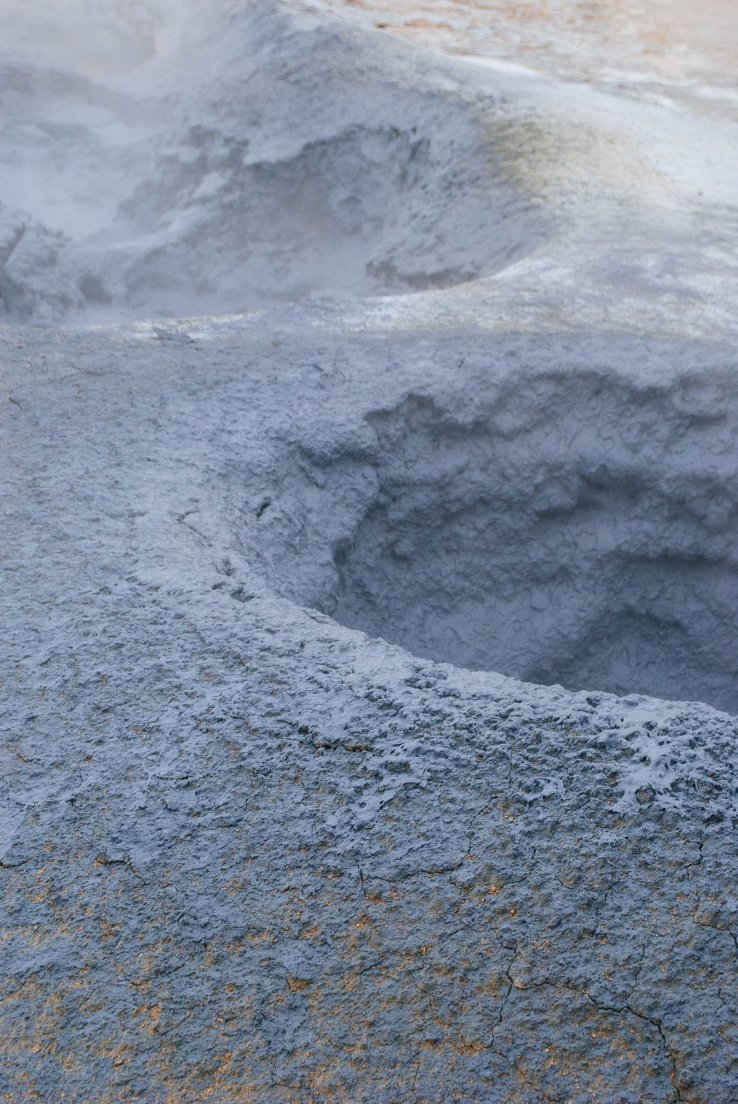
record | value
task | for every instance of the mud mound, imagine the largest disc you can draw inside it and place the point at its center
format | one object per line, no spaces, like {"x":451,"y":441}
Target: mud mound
{"x":277,"y":158}
{"x":35,"y":279}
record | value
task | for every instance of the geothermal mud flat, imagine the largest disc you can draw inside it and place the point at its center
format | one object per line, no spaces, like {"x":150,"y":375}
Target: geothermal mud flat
{"x":369,"y":518}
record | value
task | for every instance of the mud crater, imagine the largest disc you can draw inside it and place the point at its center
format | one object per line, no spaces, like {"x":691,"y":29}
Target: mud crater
{"x":575,"y":530}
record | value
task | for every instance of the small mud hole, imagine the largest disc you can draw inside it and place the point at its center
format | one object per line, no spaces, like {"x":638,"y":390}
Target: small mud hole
{"x":576,"y":531}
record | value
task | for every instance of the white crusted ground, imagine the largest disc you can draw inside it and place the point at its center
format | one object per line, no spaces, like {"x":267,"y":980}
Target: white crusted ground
{"x":486,"y":411}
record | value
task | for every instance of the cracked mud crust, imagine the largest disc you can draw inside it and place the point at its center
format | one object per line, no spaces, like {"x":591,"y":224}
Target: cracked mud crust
{"x":249,"y":854}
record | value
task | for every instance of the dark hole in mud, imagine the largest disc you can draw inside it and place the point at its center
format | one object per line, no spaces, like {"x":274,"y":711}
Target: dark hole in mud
{"x":586,"y":539}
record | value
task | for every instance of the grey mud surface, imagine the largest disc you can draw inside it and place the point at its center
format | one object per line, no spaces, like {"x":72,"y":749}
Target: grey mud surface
{"x":249,"y":854}
{"x":260,"y":841}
